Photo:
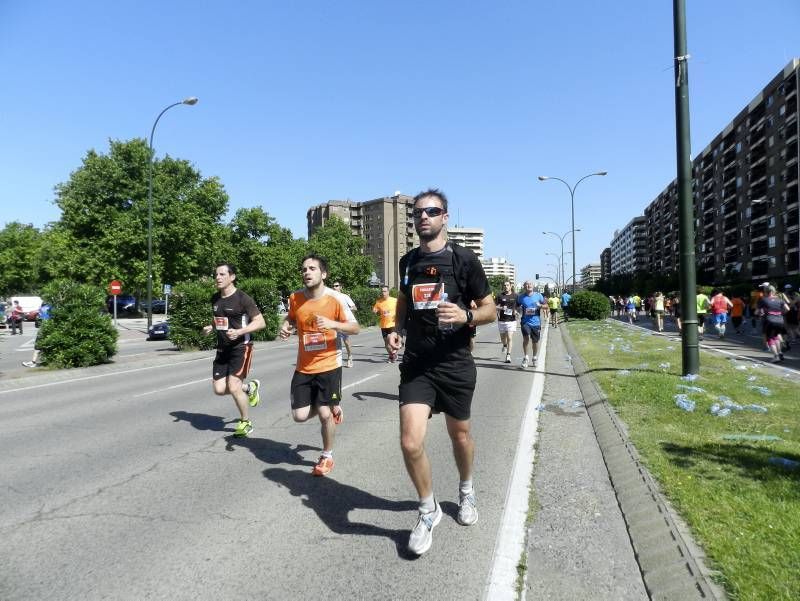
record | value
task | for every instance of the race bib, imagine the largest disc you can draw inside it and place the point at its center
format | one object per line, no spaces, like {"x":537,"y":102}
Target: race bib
{"x":387,"y":313}
{"x":508,"y":311}
{"x":220,"y":323}
{"x":531,"y":311}
{"x":314,"y":341}
{"x":426,"y":296}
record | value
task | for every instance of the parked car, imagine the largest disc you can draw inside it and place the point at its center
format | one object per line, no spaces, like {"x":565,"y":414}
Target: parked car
{"x":159,"y":306}
{"x":125,"y":304}
{"x":30,"y":305}
{"x":158,"y":331}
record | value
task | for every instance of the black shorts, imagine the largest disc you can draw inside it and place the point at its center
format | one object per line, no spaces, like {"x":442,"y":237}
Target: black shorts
{"x":324,"y":388}
{"x":737,"y":321}
{"x":386,"y":331}
{"x":233,"y":361}
{"x":445,"y":387}
{"x":532,"y":332}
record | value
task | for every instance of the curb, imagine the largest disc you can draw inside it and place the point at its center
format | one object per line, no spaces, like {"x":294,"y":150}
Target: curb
{"x":671,"y":562}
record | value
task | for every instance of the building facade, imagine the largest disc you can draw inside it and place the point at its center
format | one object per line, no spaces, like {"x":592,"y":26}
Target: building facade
{"x":386,"y":224}
{"x":629,"y":248}
{"x":745,"y":194}
{"x":605,"y":263}
{"x":469,"y":237}
{"x":500,"y":266}
{"x":590,"y":274}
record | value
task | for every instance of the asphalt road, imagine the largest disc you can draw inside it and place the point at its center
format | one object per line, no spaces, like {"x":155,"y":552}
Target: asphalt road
{"x":127,"y":484}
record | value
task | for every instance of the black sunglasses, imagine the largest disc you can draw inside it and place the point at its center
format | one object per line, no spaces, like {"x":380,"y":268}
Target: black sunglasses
{"x":429,"y":211}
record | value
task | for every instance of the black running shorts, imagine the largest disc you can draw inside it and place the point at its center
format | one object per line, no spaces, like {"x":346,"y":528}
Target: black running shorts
{"x":386,"y":331}
{"x":233,"y":361}
{"x":532,"y":332}
{"x":445,"y":387}
{"x":316,"y":389}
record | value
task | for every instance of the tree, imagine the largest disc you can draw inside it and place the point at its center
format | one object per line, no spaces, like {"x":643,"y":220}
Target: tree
{"x":102,"y":232}
{"x":496,"y":283}
{"x":344,"y":253}
{"x":20,"y":265}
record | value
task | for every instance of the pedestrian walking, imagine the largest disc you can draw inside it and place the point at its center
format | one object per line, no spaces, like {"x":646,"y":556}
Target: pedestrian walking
{"x":17,"y":318}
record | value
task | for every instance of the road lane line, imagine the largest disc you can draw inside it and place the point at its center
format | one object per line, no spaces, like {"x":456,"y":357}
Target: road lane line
{"x":105,"y":375}
{"x":170,"y":388}
{"x":511,"y":537}
{"x":361,"y":381}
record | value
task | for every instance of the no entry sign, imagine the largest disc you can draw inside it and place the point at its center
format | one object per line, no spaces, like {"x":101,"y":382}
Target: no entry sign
{"x":115,"y":287}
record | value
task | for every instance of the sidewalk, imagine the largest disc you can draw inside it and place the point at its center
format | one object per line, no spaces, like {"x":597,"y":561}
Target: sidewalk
{"x":600,"y":528}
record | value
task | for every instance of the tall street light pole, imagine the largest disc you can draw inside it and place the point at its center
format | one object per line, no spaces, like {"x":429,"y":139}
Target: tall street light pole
{"x":558,"y":266}
{"x":561,"y":239}
{"x":190,"y":101}
{"x":572,"y":207}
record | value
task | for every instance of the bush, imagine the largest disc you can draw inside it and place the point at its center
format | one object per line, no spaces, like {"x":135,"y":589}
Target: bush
{"x":589,"y":305}
{"x":79,"y":332}
{"x":190,"y":307}
{"x":365,"y":298}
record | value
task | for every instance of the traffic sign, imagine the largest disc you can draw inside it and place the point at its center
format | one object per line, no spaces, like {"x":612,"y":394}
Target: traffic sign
{"x":167,"y":288}
{"x":115,"y":287}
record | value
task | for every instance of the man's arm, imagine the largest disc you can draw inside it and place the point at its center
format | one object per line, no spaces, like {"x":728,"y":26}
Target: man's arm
{"x":395,"y":339}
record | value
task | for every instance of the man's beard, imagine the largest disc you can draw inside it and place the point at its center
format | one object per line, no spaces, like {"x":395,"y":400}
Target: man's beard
{"x":429,"y":236}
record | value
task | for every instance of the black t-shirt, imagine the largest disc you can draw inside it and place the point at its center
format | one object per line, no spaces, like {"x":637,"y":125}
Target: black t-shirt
{"x":505,"y":306}
{"x":422,"y":283}
{"x":232,"y":312}
{"x":773,"y":309}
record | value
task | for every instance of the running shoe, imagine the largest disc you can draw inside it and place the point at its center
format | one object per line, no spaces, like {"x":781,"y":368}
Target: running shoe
{"x":467,"y":509}
{"x":252,"y":392}
{"x":524,"y":362}
{"x":349,"y":362}
{"x":338,"y":416}
{"x":508,"y":358}
{"x":422,"y":533}
{"x":243,"y":428}
{"x":28,"y":364}
{"x":535,"y":361}
{"x":324,"y":466}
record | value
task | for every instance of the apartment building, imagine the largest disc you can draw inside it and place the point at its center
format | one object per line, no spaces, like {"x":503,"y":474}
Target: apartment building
{"x":605,"y":263}
{"x":745,"y":194}
{"x":590,"y":274}
{"x":385,"y":224}
{"x":500,"y":266}
{"x":629,"y":248}
{"x":471,"y":238}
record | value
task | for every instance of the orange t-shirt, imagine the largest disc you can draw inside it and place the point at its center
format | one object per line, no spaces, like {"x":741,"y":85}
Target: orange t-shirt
{"x":386,"y":309}
{"x":318,"y":351}
{"x":738,"y":307}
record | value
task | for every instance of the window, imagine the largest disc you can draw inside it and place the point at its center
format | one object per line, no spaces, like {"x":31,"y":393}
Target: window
{"x":771,"y":222}
{"x":771,"y":141}
{"x":771,"y":241}
{"x":782,"y":110}
{"x":739,"y":182}
{"x":769,"y":100}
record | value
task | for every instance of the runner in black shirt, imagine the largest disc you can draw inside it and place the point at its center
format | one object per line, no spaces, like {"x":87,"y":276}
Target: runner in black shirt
{"x":506,"y":303}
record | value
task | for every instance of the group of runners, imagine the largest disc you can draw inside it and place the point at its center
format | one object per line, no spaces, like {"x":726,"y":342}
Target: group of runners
{"x":775,"y":314}
{"x":443,"y":295}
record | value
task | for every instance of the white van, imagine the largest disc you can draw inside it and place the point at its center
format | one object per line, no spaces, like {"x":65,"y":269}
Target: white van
{"x":30,"y":305}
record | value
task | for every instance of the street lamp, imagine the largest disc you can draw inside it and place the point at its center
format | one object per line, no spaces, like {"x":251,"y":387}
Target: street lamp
{"x":192,"y":100}
{"x":558,"y":266}
{"x":572,"y":206}
{"x":561,"y":239}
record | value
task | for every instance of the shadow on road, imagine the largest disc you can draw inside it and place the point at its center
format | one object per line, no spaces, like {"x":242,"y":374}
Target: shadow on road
{"x":362,"y":396}
{"x":202,"y":421}
{"x":333,"y":502}
{"x":271,"y":451}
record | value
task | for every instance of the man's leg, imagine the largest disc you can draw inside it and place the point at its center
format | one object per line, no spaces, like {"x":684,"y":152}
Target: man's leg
{"x":463,"y":445}
{"x":239,"y":396}
{"x":413,"y":427}
{"x":327,"y":429}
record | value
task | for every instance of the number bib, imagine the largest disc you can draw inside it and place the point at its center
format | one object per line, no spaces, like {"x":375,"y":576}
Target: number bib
{"x":508,"y":311}
{"x":531,"y":311}
{"x":426,"y":296}
{"x":221,"y":323}
{"x":314,"y":341}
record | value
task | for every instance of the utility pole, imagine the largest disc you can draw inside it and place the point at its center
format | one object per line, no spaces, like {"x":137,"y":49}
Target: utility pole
{"x":690,"y":350}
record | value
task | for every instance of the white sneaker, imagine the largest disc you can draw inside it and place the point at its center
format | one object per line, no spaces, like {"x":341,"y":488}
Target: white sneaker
{"x":524,"y":362}
{"x":349,"y":362}
{"x":508,"y":358}
{"x":422,"y":533}
{"x":535,"y":361}
{"x":467,"y":509}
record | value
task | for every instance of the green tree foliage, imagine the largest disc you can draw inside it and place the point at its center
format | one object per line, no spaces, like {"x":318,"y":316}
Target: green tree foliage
{"x":20,"y":254}
{"x":344,"y":253}
{"x":262,"y":248}
{"x":79,"y":332}
{"x":266,"y":296}
{"x":588,"y":304}
{"x":102,"y":232}
{"x":364,"y":297}
{"x":496,"y":283}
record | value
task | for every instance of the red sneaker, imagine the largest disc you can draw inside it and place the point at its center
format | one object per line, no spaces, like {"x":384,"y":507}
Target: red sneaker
{"x":324,"y":466}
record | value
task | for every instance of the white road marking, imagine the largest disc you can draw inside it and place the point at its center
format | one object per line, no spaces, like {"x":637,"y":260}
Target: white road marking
{"x":360,"y":381}
{"x":510,"y":543}
{"x":136,"y":396}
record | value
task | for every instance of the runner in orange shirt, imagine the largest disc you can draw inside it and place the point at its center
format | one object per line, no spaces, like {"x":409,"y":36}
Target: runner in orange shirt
{"x":318,"y":314}
{"x":386,"y":308}
{"x":737,"y":313}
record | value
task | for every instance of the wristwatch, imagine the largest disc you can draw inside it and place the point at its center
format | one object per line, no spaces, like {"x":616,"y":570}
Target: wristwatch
{"x":469,"y":316}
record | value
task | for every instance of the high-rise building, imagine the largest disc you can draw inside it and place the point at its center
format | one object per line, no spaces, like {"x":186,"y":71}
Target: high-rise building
{"x":385,"y":223}
{"x":590,"y":274}
{"x":605,"y":263}
{"x":500,"y":266}
{"x":469,"y":237}
{"x":629,"y":248}
{"x":745,"y":194}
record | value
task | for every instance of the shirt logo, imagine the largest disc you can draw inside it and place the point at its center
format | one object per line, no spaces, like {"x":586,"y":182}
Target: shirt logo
{"x":431,"y":270}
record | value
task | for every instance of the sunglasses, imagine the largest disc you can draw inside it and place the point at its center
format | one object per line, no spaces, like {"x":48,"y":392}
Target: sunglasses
{"x":337,"y":285}
{"x":429,"y":211}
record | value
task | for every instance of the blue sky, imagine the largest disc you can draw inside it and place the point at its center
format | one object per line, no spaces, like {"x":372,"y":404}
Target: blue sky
{"x":305,"y":102}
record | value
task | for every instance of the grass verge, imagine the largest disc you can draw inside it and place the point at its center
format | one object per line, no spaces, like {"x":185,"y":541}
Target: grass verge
{"x":718,"y":472}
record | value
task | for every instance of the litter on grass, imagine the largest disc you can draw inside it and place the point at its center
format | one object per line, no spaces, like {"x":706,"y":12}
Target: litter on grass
{"x":762,"y":390}
{"x":664,"y":365}
{"x":755,"y":408}
{"x":691,"y":388}
{"x":690,"y":377}
{"x":624,"y":372}
{"x":751,"y":378}
{"x":720,"y":411}
{"x":684,"y":402}
{"x":789,"y":464}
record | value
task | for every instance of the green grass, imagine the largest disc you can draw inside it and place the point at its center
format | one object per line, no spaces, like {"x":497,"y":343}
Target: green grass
{"x":743,"y":510}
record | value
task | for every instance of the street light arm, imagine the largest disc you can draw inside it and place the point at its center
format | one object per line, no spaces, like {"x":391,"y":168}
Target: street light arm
{"x":153,"y":131}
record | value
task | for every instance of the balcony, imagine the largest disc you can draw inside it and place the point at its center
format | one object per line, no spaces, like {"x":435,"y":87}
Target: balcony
{"x":729,"y":224}
{"x":758,"y":230}
{"x":760,"y":267}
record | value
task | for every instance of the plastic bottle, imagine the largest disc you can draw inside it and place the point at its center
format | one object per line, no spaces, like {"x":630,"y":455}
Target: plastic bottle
{"x":755,"y":408}
{"x":789,"y":464}
{"x":684,"y":402}
{"x":445,"y":326}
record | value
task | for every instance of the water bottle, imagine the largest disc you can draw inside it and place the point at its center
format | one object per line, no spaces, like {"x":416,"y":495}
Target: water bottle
{"x":684,"y":402}
{"x":445,"y":326}
{"x":783,"y":462}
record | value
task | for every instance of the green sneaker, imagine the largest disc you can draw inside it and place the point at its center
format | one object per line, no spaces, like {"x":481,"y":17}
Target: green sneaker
{"x":243,"y":428}
{"x":253,"y":395}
